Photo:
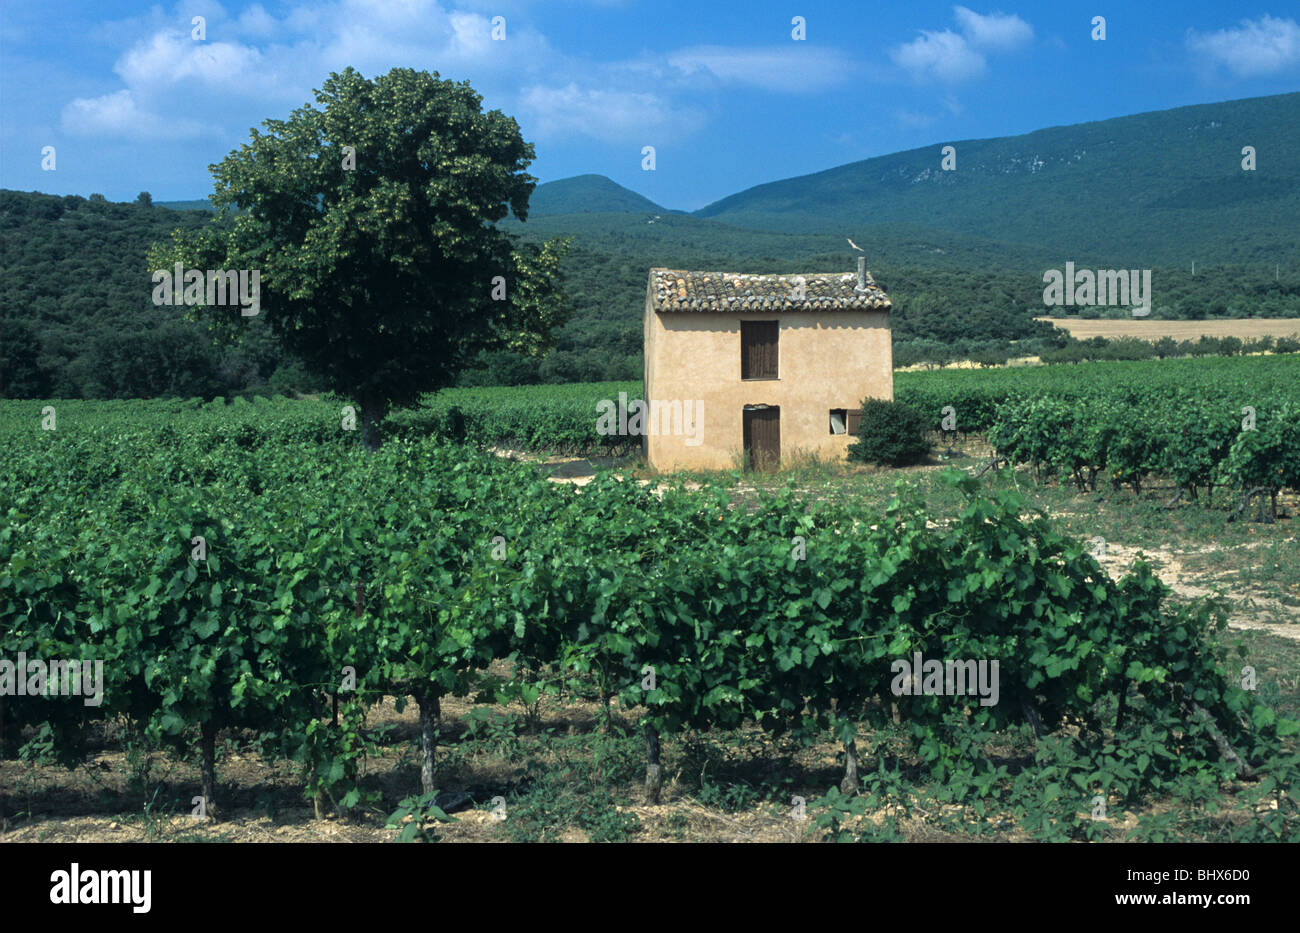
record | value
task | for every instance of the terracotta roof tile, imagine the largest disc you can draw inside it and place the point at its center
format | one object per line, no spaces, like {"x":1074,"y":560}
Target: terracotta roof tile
{"x":678,"y":290}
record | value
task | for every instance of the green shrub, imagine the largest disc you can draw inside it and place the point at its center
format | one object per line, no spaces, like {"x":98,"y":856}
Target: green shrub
{"x":891,"y":433}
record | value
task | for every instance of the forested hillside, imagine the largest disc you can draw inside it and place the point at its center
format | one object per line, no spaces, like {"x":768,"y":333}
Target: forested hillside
{"x":587,"y":193}
{"x":955,"y":296}
{"x":78,"y":320}
{"x":76,"y":313}
{"x":961,"y":253}
{"x":1160,"y":188}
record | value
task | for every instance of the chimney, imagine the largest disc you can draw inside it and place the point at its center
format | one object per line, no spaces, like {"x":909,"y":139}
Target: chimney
{"x":862,"y":274}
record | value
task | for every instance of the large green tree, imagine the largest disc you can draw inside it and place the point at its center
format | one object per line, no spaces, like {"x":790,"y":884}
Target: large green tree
{"x":372,"y":221}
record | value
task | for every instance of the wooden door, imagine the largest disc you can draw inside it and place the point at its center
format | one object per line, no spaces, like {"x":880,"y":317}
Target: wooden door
{"x":759,"y":358}
{"x":762,"y":430}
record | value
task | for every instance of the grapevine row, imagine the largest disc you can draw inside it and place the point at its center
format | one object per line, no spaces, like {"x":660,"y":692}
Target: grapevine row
{"x":229,"y":584}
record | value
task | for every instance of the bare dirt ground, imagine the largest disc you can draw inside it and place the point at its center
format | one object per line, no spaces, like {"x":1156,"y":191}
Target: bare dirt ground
{"x":966,"y":364}
{"x":61,"y":798}
{"x":1252,"y":328}
{"x":1248,"y":611}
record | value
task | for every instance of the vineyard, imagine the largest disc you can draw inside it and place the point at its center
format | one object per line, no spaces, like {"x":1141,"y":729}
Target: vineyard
{"x":1204,"y":424}
{"x":976,"y":395}
{"x":247,"y":568}
{"x":562,"y":418}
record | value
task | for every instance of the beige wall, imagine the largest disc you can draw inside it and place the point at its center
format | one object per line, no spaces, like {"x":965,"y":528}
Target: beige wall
{"x":826,"y":360}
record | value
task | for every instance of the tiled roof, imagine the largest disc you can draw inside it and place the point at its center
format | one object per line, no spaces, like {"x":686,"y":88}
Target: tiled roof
{"x":676,"y":290}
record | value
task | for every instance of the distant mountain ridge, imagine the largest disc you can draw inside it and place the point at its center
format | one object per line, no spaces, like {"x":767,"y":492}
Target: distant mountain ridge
{"x":587,"y":193}
{"x":577,"y":195}
{"x":1160,"y":188}
{"x":1166,"y":187}
{"x":197,"y":205}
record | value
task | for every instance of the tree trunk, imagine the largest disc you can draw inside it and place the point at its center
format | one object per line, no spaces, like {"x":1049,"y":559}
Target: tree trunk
{"x":850,"y":783}
{"x":372,"y":413}
{"x":1031,"y":715}
{"x":430,"y":710}
{"x":1225,"y":749}
{"x":1123,"y":703}
{"x":654,"y":772}
{"x":208,"y":749}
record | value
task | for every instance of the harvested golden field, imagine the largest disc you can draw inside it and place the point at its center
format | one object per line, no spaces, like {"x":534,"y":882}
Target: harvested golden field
{"x":1247,"y":328}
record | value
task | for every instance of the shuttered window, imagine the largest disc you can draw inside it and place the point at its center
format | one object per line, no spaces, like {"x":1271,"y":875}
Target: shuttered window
{"x":854,"y":420}
{"x":758,"y":349}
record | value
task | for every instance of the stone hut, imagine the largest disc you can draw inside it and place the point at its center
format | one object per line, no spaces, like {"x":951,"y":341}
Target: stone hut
{"x":758,"y":369}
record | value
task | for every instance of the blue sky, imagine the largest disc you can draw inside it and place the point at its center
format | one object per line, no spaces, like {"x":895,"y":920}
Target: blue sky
{"x":727,"y":97}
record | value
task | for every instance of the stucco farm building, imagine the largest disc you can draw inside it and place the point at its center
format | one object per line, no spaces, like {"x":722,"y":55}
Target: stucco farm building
{"x":769,"y":365}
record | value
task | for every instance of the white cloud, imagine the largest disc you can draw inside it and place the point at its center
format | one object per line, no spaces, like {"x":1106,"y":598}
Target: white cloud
{"x":167,"y":58}
{"x":374,"y":36}
{"x":256,"y":23}
{"x":611,"y":116}
{"x":1256,"y":47}
{"x":272,"y":61}
{"x":995,"y":31}
{"x":774,"y":68}
{"x":913,"y":119}
{"x":265,"y":59}
{"x":944,"y":57}
{"x":118,"y":115}
{"x":916,"y":119}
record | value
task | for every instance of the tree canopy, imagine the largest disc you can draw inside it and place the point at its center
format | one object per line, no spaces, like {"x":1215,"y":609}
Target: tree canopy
{"x":372,"y":224}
